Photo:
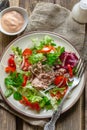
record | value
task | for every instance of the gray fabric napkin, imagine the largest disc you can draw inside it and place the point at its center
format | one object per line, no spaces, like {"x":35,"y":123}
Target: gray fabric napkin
{"x":54,"y":18}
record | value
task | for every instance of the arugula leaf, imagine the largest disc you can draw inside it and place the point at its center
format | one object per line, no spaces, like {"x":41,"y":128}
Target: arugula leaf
{"x":17,"y":96}
{"x":8,"y":92}
{"x":35,"y":58}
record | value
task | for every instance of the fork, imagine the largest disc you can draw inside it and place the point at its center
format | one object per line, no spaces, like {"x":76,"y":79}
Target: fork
{"x":76,"y":80}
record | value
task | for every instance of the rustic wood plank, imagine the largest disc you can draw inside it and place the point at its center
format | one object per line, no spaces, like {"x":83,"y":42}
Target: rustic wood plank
{"x":67,"y":3}
{"x":86,"y":84}
{"x":19,"y":124}
{"x":70,"y":120}
{"x":22,"y":3}
{"x":14,"y":2}
{"x":5,"y":40}
{"x":7,"y":120}
{"x":28,"y":127}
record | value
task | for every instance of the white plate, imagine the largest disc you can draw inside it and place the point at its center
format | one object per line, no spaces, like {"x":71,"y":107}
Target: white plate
{"x":24,"y":42}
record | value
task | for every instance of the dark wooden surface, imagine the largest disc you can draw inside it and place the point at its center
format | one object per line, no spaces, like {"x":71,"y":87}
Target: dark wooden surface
{"x":76,"y":117}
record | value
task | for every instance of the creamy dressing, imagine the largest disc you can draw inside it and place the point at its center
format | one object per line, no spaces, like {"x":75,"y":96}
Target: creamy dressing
{"x":12,"y":21}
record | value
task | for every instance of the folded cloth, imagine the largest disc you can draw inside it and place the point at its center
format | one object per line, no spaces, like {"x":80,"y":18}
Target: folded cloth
{"x":54,"y":18}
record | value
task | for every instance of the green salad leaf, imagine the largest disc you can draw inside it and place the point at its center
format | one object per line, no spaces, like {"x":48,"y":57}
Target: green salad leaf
{"x":35,"y":58}
{"x":14,"y":79}
{"x":38,"y":45}
{"x":8,"y":92}
{"x":51,"y":58}
{"x":45,"y":102}
{"x":17,"y":50}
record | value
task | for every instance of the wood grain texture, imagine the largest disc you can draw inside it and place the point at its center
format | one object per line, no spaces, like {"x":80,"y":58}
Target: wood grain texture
{"x":7,"y":121}
{"x":19,"y":124}
{"x":86,"y":82}
{"x":72,"y":119}
{"x":28,"y":127}
{"x":14,"y":2}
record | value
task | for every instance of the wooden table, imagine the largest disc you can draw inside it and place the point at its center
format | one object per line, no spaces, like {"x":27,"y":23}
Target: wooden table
{"x":76,"y":117}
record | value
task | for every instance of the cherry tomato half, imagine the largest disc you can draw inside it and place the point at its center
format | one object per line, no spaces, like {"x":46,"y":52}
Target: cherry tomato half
{"x":9,"y":69}
{"x":34,"y":106}
{"x":59,"y":79}
{"x":27,"y":52}
{"x":25,"y":78}
{"x":11,"y":62}
{"x":70,"y":70}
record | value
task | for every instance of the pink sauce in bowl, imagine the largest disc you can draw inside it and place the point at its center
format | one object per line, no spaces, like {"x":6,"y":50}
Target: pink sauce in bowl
{"x":12,"y":21}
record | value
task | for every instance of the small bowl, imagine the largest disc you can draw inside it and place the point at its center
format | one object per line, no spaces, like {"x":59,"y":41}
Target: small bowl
{"x":20,"y":10}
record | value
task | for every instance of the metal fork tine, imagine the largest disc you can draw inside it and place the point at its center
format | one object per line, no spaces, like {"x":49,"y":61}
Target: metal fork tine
{"x":78,"y":65}
{"x":82,"y":70}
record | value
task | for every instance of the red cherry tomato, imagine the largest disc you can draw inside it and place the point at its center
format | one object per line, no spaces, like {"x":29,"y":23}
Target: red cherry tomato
{"x":60,"y":79}
{"x":25,"y":102}
{"x":34,"y":106}
{"x":25,"y":78}
{"x":46,"y":49}
{"x":11,"y":62}
{"x":27,"y":52}
{"x":26,"y":65}
{"x":9,"y":69}
{"x":70,"y":70}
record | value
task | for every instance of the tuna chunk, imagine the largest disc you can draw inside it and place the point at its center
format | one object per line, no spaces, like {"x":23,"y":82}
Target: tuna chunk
{"x":39,"y":84}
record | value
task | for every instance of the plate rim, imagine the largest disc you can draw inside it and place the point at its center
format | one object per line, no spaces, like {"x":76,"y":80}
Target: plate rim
{"x":15,"y":108}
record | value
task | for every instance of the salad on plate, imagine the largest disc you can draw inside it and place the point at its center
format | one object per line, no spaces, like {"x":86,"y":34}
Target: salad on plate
{"x":32,"y":70}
